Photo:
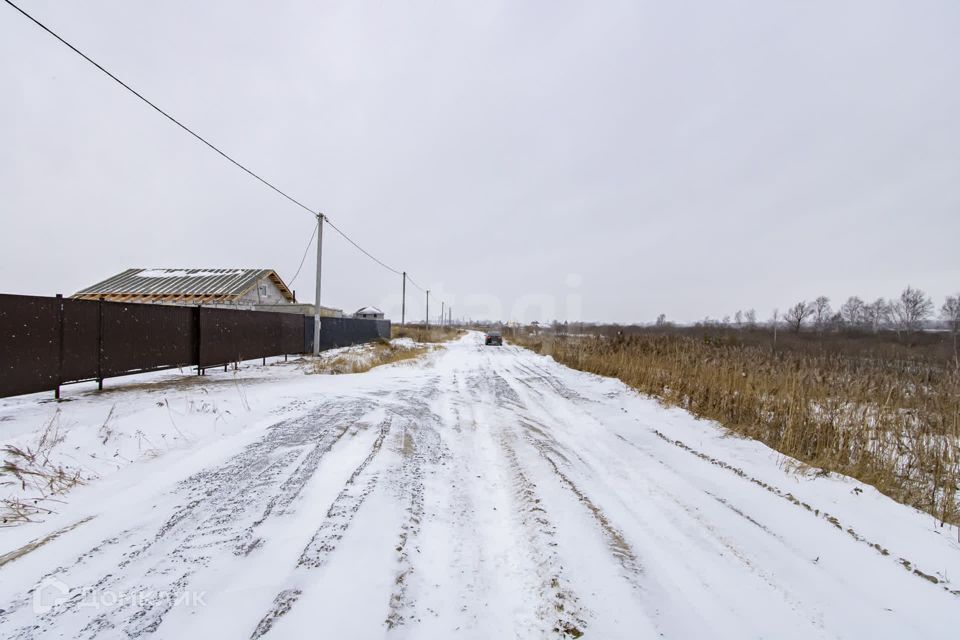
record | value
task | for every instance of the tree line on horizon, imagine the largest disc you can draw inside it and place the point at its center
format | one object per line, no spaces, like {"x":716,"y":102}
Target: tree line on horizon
{"x":907,"y":313}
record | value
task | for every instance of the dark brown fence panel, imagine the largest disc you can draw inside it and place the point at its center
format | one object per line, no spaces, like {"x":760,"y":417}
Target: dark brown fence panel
{"x":81,"y":339}
{"x":29,"y":344}
{"x":291,"y":334}
{"x":46,"y":342}
{"x":233,"y":336}
{"x":140,"y":337}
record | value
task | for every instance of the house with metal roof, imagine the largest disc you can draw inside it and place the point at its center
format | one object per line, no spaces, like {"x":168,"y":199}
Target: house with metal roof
{"x":236,"y":288}
{"x":369,"y":313}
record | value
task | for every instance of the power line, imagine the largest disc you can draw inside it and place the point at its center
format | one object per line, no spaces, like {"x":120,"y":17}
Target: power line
{"x":374,"y":258}
{"x":158,"y":109}
{"x":371,"y":256}
{"x":305,"y":252}
{"x":364,"y":251}
{"x":218,"y":150}
{"x":410,"y":280}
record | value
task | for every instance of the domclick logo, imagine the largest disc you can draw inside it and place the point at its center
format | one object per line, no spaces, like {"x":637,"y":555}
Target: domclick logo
{"x":49,"y":593}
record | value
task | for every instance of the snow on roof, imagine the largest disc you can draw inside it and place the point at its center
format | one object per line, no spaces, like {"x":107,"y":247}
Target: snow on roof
{"x":368,"y":310}
{"x":147,"y":283}
{"x":189,"y":273}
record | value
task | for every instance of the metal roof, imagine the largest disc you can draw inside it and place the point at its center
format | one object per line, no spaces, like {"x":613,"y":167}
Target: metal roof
{"x":367,"y":310}
{"x":222,"y":284}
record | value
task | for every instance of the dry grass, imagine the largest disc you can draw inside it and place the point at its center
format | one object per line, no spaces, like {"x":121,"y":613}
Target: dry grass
{"x":33,"y":545}
{"x":40,"y":479}
{"x":885,"y":414}
{"x":372,"y":355}
{"x":420,"y":333}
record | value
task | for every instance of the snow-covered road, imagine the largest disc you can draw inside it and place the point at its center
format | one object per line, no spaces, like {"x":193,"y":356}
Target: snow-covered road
{"x":480,"y":492}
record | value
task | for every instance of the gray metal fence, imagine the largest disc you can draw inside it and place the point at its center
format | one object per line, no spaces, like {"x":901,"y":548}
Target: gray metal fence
{"x":343,"y":332}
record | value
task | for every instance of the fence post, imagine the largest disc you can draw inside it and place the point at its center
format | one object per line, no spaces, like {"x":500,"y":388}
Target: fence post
{"x":100,"y":343}
{"x":56,"y":392}
{"x":196,"y":339}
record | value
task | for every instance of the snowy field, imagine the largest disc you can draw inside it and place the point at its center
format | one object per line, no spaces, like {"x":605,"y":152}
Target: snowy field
{"x":474,"y":492}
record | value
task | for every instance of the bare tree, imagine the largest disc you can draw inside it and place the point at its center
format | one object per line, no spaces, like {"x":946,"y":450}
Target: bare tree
{"x":876,"y":314}
{"x":751,"y":317}
{"x":853,"y":311}
{"x":775,"y":322}
{"x":835,"y":323}
{"x":738,"y":318}
{"x":821,"y":312}
{"x":950,"y":311}
{"x":911,"y":310}
{"x":798,"y":314}
{"x":661,"y":319}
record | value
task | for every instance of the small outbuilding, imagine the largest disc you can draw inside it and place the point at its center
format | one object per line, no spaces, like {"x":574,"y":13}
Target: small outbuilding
{"x":369,"y":313}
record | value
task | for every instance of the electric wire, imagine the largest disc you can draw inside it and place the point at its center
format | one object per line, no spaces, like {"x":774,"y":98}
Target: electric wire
{"x":305,"y":252}
{"x":217,"y":150}
{"x":410,"y":280}
{"x":364,"y":251}
{"x":158,"y":109}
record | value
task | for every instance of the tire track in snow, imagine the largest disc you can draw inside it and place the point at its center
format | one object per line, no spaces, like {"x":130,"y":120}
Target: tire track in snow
{"x":906,"y":564}
{"x":616,"y":542}
{"x":563,"y":459}
{"x":537,"y":434}
{"x":291,"y":488}
{"x":416,"y":443}
{"x":325,"y":540}
{"x":218,"y":505}
{"x":557,"y":457}
{"x":704,"y":531}
{"x":419,"y":445}
{"x":464,"y":511}
{"x":535,"y":371}
{"x":559,"y":606}
{"x":219,"y":497}
{"x":550,"y":450}
{"x":411,"y":486}
{"x":463,"y":472}
{"x":786,"y":495}
{"x":234,"y":496}
{"x":345,"y":506}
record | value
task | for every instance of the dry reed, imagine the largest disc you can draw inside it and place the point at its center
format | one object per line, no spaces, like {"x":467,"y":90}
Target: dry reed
{"x":887,"y":416}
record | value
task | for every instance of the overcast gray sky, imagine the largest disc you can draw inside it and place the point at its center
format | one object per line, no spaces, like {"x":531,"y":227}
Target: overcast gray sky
{"x":608,"y":160}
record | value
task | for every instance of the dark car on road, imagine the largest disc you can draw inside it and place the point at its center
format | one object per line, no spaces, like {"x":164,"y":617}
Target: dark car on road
{"x":493,"y":337}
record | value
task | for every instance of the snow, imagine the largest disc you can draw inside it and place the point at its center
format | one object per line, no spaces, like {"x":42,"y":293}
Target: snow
{"x":474,"y":492}
{"x":181,"y":273}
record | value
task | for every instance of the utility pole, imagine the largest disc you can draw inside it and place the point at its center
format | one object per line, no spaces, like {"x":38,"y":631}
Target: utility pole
{"x":428,"y":308}
{"x":316,"y":315}
{"x":450,"y":316}
{"x":441,"y":313}
{"x":403,"y":305}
